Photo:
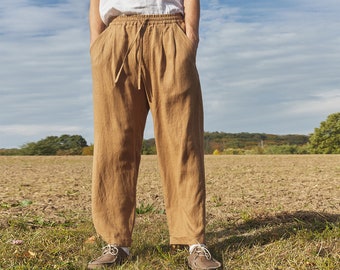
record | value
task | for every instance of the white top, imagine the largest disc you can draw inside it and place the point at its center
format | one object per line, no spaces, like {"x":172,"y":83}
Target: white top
{"x":112,"y":8}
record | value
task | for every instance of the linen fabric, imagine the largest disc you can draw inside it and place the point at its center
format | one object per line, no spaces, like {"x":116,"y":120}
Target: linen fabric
{"x":145,"y":63}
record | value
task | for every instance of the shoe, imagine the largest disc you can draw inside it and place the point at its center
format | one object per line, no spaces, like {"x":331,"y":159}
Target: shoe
{"x":200,"y":258}
{"x":112,"y":255}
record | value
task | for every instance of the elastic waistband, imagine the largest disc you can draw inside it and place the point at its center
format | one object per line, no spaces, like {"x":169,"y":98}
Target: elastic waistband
{"x":154,"y":19}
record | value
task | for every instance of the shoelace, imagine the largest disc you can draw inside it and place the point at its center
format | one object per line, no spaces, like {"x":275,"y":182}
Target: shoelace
{"x":111,"y":249}
{"x":203,"y":251}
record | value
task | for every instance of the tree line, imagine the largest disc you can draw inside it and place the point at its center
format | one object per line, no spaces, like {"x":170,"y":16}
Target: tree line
{"x":50,"y":146}
{"x":324,"y":140}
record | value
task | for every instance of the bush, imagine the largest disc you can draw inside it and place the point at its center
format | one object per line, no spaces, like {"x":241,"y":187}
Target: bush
{"x":233,"y":151}
{"x":216,"y":152}
{"x":10,"y":152}
{"x":286,"y":149}
{"x":88,"y":150}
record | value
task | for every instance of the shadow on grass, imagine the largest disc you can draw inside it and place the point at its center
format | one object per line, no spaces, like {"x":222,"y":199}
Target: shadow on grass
{"x":263,"y":230}
{"x":230,"y":235}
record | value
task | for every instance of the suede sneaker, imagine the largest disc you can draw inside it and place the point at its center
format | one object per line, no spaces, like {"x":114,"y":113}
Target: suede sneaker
{"x":200,"y":258}
{"x":112,"y":255}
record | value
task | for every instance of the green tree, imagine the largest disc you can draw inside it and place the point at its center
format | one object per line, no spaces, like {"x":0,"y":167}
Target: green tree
{"x":44,"y":147}
{"x":28,"y":149}
{"x":47,"y":146}
{"x":53,"y":145}
{"x":326,"y":138}
{"x":71,"y":144}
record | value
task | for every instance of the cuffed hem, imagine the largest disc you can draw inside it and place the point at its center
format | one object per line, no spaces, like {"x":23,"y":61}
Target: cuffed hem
{"x":187,"y":240}
{"x":119,"y":243}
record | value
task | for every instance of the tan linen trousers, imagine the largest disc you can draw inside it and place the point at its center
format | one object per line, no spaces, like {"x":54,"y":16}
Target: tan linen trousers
{"x":142,"y":63}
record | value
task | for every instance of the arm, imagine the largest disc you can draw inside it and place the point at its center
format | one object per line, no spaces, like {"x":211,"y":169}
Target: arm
{"x":192,"y":17}
{"x":96,"y":24}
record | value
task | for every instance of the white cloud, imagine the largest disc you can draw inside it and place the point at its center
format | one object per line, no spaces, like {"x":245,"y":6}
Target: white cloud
{"x":265,"y":74}
{"x":24,"y":130}
{"x":264,"y":66}
{"x":319,"y":104}
{"x":45,"y":73}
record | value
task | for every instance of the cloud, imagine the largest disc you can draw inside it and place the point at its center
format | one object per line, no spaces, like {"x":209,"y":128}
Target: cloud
{"x":265,"y":66}
{"x":45,"y":72}
{"x":266,"y":73}
{"x":319,"y":104}
{"x":37,"y":129}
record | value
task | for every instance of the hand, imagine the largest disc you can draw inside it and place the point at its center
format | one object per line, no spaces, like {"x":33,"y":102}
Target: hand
{"x":93,"y":39}
{"x":193,"y":37}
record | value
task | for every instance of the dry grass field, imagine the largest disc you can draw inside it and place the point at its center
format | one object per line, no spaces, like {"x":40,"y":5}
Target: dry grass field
{"x":263,"y":212}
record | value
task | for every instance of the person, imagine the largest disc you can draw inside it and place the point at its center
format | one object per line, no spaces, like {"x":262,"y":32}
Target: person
{"x":143,"y":57}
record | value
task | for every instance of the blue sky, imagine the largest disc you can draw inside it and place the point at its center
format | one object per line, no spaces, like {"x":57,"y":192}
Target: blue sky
{"x":265,"y":66}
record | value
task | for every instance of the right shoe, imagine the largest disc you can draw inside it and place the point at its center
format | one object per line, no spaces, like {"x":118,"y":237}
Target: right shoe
{"x":201,"y":259}
{"x":112,"y":255}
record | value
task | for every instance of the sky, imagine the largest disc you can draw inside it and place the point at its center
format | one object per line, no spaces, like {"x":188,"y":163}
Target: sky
{"x":266,"y":66}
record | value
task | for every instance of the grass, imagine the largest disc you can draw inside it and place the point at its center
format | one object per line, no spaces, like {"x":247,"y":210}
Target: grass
{"x":302,"y":240}
{"x":261,"y":225}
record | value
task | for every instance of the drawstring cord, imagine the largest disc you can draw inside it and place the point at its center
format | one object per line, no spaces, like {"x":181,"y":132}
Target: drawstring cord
{"x":139,"y":58}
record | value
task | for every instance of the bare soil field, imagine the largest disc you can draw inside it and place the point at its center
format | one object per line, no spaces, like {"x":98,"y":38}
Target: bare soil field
{"x":252,"y":202}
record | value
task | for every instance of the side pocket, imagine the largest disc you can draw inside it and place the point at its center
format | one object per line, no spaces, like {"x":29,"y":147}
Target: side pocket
{"x":180,"y":26}
{"x":100,"y":37}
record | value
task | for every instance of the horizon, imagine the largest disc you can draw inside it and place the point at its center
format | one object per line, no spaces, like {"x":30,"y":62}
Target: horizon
{"x":152,"y":138}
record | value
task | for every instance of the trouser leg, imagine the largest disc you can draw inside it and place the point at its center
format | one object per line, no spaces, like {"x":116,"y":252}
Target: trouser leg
{"x":177,"y":110}
{"x":120,"y":112}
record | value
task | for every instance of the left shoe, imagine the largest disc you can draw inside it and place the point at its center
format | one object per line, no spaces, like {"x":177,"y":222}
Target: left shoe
{"x":112,"y":255}
{"x":201,"y":259}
